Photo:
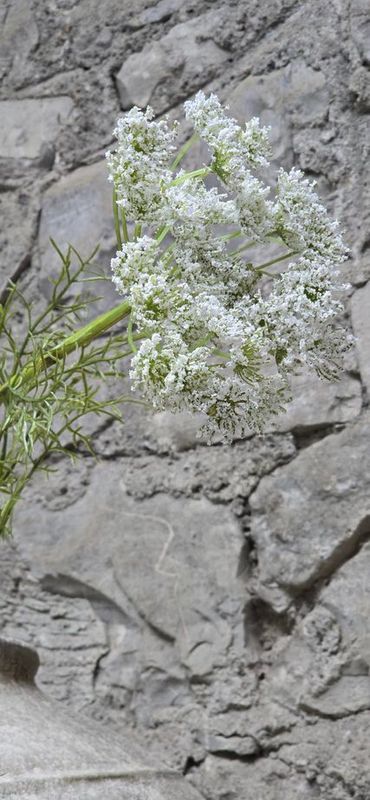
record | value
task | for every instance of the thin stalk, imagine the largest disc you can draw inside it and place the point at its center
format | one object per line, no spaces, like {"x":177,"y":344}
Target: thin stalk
{"x":196,"y":173}
{"x":59,"y":294}
{"x":117,"y":226}
{"x":167,"y":254}
{"x":162,"y":233}
{"x":137,"y":231}
{"x":4,"y":445}
{"x":130,"y":335}
{"x":79,"y":338}
{"x":124,"y":226}
{"x":274,"y":261}
{"x":183,"y":150}
{"x":126,"y":237}
{"x":229,"y":236}
{"x":92,"y":329}
{"x":220,"y":353}
{"x":245,"y":246}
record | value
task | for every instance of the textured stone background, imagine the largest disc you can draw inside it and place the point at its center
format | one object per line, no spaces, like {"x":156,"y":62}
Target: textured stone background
{"x":213,"y":601}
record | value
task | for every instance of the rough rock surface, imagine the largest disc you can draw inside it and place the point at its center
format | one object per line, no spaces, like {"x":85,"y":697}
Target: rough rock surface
{"x":29,"y":127}
{"x":308,"y":517}
{"x":213,"y":602}
{"x":187,"y":53}
{"x":47,"y":753}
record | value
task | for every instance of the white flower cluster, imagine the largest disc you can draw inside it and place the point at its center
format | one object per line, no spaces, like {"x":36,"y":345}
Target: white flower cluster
{"x":234,"y":152}
{"x":301,"y":220}
{"x":233,"y":149}
{"x":139,"y":165}
{"x":217,"y":336}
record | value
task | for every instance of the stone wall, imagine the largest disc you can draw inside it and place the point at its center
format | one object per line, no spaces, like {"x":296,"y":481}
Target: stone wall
{"x":213,"y":601}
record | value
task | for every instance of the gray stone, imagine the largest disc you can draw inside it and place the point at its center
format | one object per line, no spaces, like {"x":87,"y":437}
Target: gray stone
{"x":136,"y":82}
{"x":360,"y":86}
{"x":146,"y":431}
{"x":18,"y":37}
{"x":309,"y":516}
{"x":360,"y":312}
{"x":317,"y":757}
{"x":27,"y":127}
{"x":186,"y":52}
{"x":166,"y":587}
{"x":203,"y":472}
{"x":113,"y":13}
{"x":261,"y":779}
{"x":47,"y":753}
{"x":318,"y":403}
{"x":230,"y":733}
{"x":309,"y":666}
{"x":175,"y":431}
{"x":234,"y":745}
{"x":330,"y":757}
{"x":18,"y":209}
{"x":77,"y":210}
{"x":356,"y":210}
{"x":348,"y":593}
{"x":360,"y":28}
{"x":231,"y":692}
{"x":296,"y":92}
{"x":69,"y":636}
{"x":348,"y":695}
{"x":326,"y":753}
{"x":159,"y":12}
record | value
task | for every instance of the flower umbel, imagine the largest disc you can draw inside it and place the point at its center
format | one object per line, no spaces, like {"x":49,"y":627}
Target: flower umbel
{"x":221,"y":334}
{"x":138,"y":166}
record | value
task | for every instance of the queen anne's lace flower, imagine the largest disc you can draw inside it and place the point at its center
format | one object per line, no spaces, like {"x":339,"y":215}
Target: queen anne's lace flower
{"x":138,"y":166}
{"x":254,"y":208}
{"x":234,"y":149}
{"x":134,"y":259}
{"x":215,"y":338}
{"x":197,"y":206}
{"x":302,"y":221}
{"x":171,"y":371}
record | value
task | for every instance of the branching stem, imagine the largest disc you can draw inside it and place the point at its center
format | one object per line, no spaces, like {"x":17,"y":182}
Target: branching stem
{"x":79,"y":338}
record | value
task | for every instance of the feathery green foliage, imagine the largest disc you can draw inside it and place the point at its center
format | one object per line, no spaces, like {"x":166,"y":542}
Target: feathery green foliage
{"x":50,"y":378}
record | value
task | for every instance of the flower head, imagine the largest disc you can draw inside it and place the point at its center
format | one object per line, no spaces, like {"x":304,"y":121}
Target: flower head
{"x":233,"y":149}
{"x":301,"y":220}
{"x":139,"y":165}
{"x":220,"y":334}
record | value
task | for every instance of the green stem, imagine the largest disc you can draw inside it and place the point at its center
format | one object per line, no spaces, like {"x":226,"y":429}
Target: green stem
{"x":79,"y":338}
{"x":245,"y":246}
{"x":92,"y":329}
{"x":220,"y":353}
{"x":117,"y":226}
{"x":197,"y":173}
{"x":130,"y":338}
{"x":183,"y":150}
{"x":229,"y":236}
{"x":162,"y":233}
{"x":274,"y":261}
{"x":124,"y":226}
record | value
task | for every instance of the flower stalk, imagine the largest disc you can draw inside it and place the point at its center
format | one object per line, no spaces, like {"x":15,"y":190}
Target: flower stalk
{"x":78,"y":339}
